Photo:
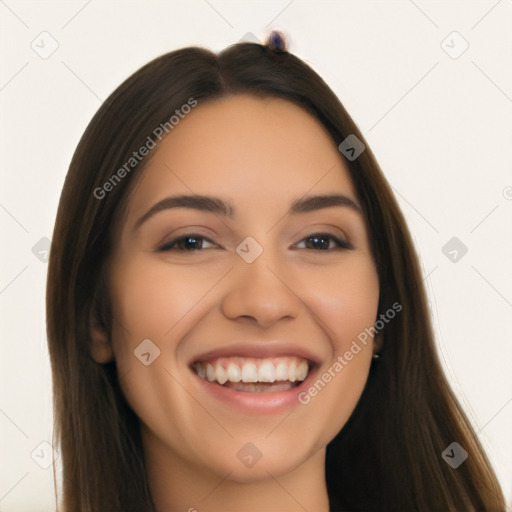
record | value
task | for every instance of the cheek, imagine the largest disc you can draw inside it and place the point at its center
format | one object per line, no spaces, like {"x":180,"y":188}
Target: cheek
{"x":151,"y":301}
{"x":345,"y":301}
{"x":154,"y":302}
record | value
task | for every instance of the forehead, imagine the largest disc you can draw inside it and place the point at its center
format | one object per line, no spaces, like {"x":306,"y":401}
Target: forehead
{"x":248,"y":149}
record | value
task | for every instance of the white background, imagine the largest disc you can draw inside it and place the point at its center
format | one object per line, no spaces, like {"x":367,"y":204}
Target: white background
{"x":440,"y":128}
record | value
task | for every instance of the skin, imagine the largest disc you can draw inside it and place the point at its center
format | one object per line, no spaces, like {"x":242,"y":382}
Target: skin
{"x":260,"y":155}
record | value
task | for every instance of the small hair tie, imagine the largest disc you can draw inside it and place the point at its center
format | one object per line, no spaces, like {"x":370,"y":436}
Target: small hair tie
{"x":277,"y":41}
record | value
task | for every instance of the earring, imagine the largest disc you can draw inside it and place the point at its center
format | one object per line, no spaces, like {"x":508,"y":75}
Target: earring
{"x":375,"y":356}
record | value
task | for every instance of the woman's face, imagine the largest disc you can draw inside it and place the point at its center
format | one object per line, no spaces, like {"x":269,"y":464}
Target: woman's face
{"x":237,"y":299}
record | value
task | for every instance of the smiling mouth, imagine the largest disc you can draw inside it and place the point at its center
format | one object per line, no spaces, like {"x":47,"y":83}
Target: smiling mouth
{"x":254,"y":375}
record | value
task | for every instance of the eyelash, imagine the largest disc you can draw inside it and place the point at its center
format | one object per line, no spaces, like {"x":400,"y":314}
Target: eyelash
{"x":170,"y":246}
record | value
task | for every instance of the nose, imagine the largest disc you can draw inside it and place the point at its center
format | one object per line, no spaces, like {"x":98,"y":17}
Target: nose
{"x":260,"y":292}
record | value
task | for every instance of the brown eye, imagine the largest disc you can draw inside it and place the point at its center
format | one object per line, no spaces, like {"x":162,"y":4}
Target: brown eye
{"x":190,"y":242}
{"x":323,"y":242}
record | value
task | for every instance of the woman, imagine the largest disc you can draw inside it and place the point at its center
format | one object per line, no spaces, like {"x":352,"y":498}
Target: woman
{"x":236,"y":314}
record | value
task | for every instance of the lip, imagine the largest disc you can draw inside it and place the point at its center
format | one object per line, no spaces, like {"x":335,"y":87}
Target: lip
{"x":255,"y":403}
{"x":270,"y":402}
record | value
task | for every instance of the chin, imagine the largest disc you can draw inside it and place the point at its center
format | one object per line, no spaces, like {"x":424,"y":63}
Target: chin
{"x":252,"y":461}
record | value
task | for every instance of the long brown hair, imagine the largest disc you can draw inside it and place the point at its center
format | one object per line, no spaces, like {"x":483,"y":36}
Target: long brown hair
{"x":388,"y":455}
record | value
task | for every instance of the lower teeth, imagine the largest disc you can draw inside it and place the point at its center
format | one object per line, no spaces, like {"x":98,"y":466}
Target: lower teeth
{"x":260,"y":387}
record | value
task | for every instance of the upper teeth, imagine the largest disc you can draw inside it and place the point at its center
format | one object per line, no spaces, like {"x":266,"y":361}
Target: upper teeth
{"x":236,"y":369}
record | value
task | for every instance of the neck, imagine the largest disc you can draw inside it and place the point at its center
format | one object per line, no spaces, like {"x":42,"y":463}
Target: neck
{"x":178,"y":486}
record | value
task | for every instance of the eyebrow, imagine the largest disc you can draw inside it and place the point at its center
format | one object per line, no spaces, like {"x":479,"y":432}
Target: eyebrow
{"x":225,"y":209}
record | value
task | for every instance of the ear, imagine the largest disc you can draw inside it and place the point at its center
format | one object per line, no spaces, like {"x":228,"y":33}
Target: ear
{"x":100,"y":346}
